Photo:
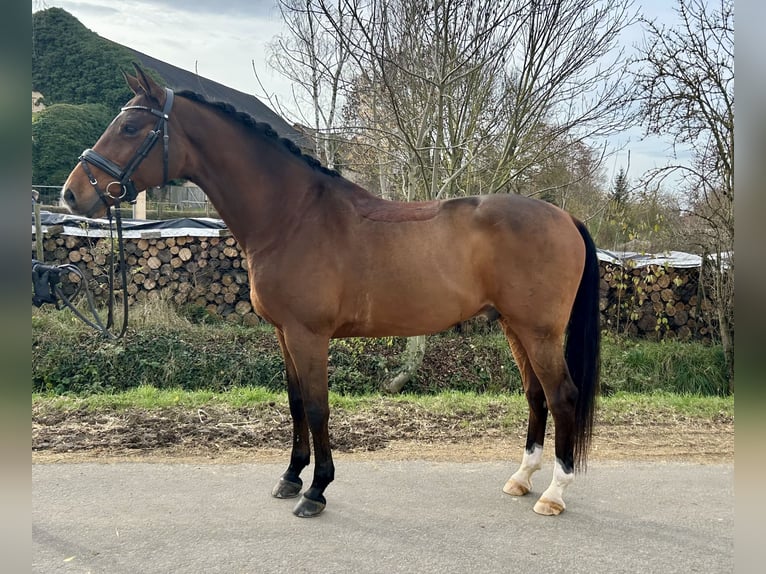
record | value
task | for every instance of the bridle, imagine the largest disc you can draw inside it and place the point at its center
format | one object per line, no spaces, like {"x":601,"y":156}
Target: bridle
{"x":122,"y":176}
{"x":128,"y":192}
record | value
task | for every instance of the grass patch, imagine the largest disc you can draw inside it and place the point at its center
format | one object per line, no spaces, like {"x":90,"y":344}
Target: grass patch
{"x":671,"y":366}
{"x":148,"y":397}
{"x":614,"y":409}
{"x":638,"y":406}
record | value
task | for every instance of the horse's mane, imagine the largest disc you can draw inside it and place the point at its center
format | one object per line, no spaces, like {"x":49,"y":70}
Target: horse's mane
{"x":260,"y":128}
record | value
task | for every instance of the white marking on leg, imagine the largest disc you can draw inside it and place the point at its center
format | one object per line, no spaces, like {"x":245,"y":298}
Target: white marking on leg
{"x":552,"y":500}
{"x":521,"y":481}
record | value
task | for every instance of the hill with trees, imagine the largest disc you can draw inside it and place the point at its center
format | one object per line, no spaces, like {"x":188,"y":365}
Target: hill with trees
{"x":78,"y":74}
{"x":74,"y":67}
{"x":71,"y":64}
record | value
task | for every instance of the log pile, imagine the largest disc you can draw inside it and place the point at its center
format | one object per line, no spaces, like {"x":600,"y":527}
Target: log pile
{"x":654,"y":301}
{"x":210,"y":273}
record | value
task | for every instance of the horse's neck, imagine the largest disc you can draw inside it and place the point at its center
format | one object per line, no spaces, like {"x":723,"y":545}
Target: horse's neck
{"x":254,"y":184}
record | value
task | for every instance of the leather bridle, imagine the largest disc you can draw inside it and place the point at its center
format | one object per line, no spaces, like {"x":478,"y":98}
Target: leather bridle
{"x":122,"y":176}
{"x":129,"y":193}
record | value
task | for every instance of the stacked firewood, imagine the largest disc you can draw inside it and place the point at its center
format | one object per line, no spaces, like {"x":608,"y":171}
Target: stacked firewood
{"x":654,"y":301}
{"x":210,"y":273}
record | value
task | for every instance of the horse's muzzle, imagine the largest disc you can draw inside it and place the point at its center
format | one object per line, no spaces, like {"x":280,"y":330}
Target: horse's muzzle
{"x":69,"y":198}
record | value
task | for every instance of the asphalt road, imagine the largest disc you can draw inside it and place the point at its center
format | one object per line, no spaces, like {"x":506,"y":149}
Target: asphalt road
{"x":392,"y":516}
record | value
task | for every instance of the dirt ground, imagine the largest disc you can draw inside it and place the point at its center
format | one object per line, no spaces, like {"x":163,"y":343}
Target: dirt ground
{"x":390,"y":430}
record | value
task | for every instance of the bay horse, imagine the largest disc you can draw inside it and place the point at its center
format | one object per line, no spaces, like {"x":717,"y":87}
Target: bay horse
{"x":328,"y":259}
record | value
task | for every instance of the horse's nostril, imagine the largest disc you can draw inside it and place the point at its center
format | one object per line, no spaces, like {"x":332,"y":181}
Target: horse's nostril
{"x":69,"y":197}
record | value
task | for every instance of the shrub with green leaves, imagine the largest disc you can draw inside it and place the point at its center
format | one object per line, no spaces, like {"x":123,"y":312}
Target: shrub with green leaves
{"x":166,"y":350}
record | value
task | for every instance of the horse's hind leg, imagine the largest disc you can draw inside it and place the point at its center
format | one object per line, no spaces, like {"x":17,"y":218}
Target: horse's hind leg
{"x":520,"y":482}
{"x":290,"y":484}
{"x":546,"y":356}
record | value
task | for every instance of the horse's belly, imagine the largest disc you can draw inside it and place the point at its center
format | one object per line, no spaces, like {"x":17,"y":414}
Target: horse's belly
{"x":417,"y":310}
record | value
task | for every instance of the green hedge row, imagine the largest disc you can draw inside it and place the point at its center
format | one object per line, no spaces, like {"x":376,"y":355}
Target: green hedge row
{"x":221,"y":356}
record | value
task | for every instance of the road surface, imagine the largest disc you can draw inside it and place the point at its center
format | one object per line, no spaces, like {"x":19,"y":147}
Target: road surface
{"x":382,"y":516}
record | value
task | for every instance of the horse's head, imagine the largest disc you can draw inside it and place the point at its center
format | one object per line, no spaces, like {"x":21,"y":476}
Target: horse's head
{"x":125,"y":159}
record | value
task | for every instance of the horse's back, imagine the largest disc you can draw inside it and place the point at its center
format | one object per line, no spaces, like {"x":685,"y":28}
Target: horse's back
{"x":410,"y":273}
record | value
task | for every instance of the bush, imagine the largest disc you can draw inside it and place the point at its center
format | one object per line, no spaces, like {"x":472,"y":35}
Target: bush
{"x":673,"y":366}
{"x":194,"y":358}
{"x":175,"y":353}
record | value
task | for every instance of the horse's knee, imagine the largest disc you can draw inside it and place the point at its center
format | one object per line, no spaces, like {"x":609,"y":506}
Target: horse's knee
{"x":535,"y":397}
{"x":317,"y":416}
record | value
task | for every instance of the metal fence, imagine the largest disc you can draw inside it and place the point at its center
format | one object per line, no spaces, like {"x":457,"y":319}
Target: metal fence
{"x":167,"y":202}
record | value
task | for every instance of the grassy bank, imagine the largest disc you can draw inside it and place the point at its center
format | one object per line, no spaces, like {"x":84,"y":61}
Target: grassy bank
{"x":612,"y":409}
{"x":182,"y":352}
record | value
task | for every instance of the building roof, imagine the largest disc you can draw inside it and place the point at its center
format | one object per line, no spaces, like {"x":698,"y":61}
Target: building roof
{"x":180,"y":79}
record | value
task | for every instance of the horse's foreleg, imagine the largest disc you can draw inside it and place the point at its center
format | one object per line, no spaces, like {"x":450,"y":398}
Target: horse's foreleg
{"x":290,"y":483}
{"x":309,"y":355}
{"x":313,"y":501}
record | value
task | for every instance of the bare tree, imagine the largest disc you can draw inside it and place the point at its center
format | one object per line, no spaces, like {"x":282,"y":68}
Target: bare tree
{"x":567,"y":84}
{"x":685,"y":78}
{"x":428,"y":75}
{"x":486,"y":93}
{"x":457,"y":97}
{"x":315,"y":59}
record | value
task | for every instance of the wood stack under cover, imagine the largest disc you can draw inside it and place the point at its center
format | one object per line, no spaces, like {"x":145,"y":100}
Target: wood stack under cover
{"x":207,"y":272}
{"x":210,"y":273}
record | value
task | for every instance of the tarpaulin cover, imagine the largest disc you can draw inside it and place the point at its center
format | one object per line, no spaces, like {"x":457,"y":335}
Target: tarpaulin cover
{"x":208,"y":226}
{"x":132,"y":228}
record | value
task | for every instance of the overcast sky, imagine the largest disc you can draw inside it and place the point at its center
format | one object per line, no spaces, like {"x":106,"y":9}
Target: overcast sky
{"x":221,"y":40}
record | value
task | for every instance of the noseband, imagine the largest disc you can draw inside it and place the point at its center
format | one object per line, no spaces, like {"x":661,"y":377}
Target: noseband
{"x":122,"y":175}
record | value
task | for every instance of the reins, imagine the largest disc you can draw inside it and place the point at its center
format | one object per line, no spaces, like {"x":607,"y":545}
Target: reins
{"x":47,"y":289}
{"x":123,"y":272}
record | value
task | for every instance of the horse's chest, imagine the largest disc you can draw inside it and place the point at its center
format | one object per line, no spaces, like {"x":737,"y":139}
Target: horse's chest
{"x":272,"y":294}
{"x":263,"y":304}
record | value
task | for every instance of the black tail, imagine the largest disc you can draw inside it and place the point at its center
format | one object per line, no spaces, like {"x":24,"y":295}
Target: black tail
{"x":583,"y":349}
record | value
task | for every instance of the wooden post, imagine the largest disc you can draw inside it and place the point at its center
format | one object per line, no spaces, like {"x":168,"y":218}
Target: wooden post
{"x":38,"y":227}
{"x":139,"y":207}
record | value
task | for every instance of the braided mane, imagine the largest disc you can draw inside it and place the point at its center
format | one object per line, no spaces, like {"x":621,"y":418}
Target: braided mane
{"x":260,"y":128}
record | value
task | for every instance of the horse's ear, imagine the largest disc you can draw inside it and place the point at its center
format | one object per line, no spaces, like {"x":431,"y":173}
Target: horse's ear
{"x":132,"y":82}
{"x":147,"y":85}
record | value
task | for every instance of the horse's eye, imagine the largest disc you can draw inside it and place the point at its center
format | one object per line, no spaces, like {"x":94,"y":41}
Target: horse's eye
{"x":129,"y":129}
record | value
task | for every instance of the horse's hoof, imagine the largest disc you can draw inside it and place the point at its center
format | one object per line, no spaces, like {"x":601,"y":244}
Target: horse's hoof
{"x":307,"y":508}
{"x":515,"y":488}
{"x":287,"y":488}
{"x":549,"y":507}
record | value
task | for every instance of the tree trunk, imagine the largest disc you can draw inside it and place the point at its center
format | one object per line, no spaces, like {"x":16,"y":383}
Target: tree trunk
{"x":727,"y":342}
{"x":413,"y":358}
